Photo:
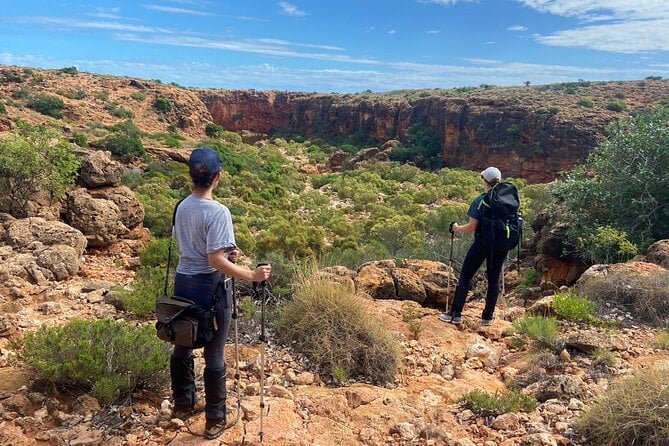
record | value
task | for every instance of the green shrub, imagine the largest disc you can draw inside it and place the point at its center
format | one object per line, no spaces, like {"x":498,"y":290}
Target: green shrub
{"x":332,"y":326}
{"x":162,"y":104}
{"x":102,"y":95}
{"x":111,"y":358}
{"x":616,"y":106}
{"x":138,"y":96}
{"x":621,"y":186}
{"x":569,"y":306}
{"x":139,"y":297}
{"x":213,"y":130}
{"x":80,"y":139}
{"x":47,"y":105}
{"x":3,"y":109}
{"x":498,"y":403}
{"x":21,"y":93}
{"x":411,"y":316}
{"x":156,"y":251}
{"x":118,"y":111}
{"x":662,"y":340}
{"x":529,"y":279}
{"x":128,"y":128}
{"x":34,"y":159}
{"x":585,"y":102}
{"x":633,"y":411}
{"x":125,"y":146}
{"x":69,"y":70}
{"x":12,"y":76}
{"x":606,"y":245}
{"x":542,"y":331}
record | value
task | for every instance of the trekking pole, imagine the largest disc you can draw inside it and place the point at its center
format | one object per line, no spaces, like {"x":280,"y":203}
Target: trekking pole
{"x":450,"y":265}
{"x":263,"y":342}
{"x":235,"y":316}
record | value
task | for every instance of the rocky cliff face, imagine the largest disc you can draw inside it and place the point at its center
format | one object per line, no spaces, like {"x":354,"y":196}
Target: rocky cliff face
{"x":522,"y":140}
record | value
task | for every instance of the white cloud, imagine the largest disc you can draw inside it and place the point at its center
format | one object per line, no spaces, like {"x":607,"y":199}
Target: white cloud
{"x":290,"y":9}
{"x":629,"y":37}
{"x":611,"y":25}
{"x":382,"y":77}
{"x":392,"y":31}
{"x":517,"y":28}
{"x":603,"y":9}
{"x":434,"y":31}
{"x":91,"y":24}
{"x":102,"y":13}
{"x":174,"y":10}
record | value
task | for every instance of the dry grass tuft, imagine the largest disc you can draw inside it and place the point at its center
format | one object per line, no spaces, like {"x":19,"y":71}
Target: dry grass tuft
{"x":331,"y":325}
{"x":634,"y":411}
{"x":645,"y":296}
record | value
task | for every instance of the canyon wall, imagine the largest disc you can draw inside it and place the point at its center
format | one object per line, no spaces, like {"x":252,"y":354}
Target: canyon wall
{"x":474,"y":133}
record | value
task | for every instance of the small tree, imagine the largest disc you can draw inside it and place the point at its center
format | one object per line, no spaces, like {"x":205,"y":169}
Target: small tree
{"x":622,"y":187}
{"x":47,"y":105}
{"x":34,"y":159}
{"x":124,"y":145}
{"x":162,"y":104}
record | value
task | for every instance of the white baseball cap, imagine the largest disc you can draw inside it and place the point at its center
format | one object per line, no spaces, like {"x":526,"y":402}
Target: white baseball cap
{"x":491,"y":174}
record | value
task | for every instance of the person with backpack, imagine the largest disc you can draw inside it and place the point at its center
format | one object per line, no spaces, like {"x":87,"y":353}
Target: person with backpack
{"x":494,"y":219}
{"x":207,"y":250}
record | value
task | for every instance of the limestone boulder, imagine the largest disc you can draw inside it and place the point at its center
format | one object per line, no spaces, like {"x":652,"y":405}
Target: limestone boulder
{"x":658,"y":253}
{"x":22,"y":234}
{"x":375,"y":281}
{"x":588,"y":341}
{"x":408,"y":285}
{"x":98,"y":219}
{"x":438,"y":280}
{"x":562,"y":387}
{"x":61,"y":260}
{"x":339,"y":274}
{"x":98,"y":170}
{"x":131,"y":210}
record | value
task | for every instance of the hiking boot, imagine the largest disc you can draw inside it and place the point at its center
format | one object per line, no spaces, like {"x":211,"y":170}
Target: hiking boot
{"x":445,"y":317}
{"x":214,"y":428}
{"x":448,"y":317}
{"x":183,"y":413}
{"x":486,"y":322}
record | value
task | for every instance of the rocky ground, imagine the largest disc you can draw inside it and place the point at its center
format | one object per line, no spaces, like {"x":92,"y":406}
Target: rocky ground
{"x":421,"y":407}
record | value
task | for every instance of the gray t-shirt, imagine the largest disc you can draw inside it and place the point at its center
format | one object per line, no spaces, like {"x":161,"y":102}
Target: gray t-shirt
{"x":201,"y":227}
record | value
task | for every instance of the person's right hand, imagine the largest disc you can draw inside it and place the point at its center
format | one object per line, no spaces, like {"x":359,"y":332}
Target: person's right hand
{"x":262,"y":273}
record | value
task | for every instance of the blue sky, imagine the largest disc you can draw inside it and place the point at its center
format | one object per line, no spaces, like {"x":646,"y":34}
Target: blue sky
{"x":343,"y":46}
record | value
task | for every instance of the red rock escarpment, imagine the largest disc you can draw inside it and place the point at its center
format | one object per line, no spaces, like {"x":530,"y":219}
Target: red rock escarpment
{"x":474,"y":133}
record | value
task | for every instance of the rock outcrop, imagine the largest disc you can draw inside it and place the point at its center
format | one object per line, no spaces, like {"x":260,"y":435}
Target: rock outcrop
{"x":39,"y":250}
{"x":519,"y":139}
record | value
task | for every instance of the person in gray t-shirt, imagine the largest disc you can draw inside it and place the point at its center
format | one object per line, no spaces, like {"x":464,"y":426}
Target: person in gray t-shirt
{"x":204,"y":234}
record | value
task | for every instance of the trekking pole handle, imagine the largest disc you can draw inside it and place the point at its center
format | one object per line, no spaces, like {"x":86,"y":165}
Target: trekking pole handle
{"x":264,"y":282}
{"x":450,"y":228}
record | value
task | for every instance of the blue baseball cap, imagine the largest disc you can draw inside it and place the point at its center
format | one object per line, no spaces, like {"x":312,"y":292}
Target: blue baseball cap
{"x":206,"y":156}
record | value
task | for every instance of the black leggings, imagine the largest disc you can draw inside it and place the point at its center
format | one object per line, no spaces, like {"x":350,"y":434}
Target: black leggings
{"x":473,"y":260}
{"x":200,"y":289}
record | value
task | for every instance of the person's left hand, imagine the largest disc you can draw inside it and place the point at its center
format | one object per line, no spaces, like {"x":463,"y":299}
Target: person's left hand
{"x":233,"y":254}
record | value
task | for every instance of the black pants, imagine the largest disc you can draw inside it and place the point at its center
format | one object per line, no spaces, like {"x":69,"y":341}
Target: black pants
{"x":200,"y":289}
{"x":473,"y":260}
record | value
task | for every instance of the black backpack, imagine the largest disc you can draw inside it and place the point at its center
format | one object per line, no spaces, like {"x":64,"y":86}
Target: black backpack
{"x":500,"y":225}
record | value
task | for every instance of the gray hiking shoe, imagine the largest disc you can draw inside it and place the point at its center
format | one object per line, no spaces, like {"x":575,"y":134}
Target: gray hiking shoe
{"x":486,"y":322}
{"x":448,"y":317}
{"x":445,"y":317}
